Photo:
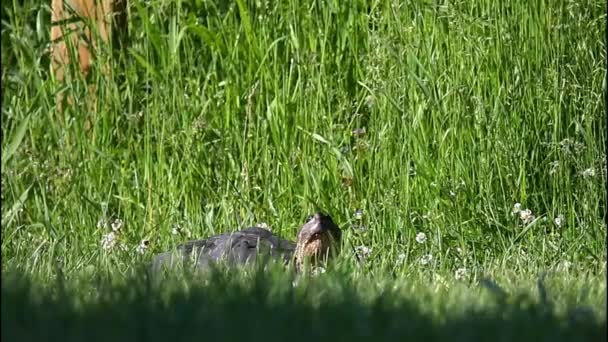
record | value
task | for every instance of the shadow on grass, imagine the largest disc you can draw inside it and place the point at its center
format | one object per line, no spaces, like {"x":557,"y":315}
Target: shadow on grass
{"x":262,"y":307}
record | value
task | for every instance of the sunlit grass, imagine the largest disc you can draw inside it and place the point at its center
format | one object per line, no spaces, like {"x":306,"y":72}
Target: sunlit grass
{"x":396,"y":118}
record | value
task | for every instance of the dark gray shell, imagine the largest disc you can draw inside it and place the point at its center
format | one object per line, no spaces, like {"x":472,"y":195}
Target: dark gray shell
{"x":240,"y":247}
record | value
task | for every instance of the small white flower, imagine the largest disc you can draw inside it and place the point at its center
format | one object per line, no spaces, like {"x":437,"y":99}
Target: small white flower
{"x":461,"y":273}
{"x":516,"y":209}
{"x":400,"y":259}
{"x":590,"y":172}
{"x":318,"y":271}
{"x":526,"y":216}
{"x":263,"y":225}
{"x":116,"y":225}
{"x":564,"y":265}
{"x":558,"y":220}
{"x":370,"y":101}
{"x":143,"y":245}
{"x":459,"y":250}
{"x":108,"y":241}
{"x":177,"y":229}
{"x":358,"y":214}
{"x":426,"y":259}
{"x":363,"y":251}
{"x":421,"y":237}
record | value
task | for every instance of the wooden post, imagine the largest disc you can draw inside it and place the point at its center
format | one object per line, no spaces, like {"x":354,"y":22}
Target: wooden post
{"x":100,"y":13}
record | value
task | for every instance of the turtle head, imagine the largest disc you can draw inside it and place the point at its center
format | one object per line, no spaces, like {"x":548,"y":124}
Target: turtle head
{"x":318,"y":239}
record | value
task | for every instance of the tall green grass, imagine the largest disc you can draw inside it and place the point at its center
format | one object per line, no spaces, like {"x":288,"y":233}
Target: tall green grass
{"x":221,"y":115}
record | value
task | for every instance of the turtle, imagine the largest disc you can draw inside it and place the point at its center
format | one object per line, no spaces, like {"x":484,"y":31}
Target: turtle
{"x":319,"y":238}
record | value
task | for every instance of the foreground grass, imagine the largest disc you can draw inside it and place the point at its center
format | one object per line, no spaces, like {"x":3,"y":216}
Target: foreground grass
{"x":266,"y":306}
{"x":424,"y":118}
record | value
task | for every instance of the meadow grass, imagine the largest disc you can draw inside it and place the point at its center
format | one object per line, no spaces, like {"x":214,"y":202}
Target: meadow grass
{"x":397,"y":118}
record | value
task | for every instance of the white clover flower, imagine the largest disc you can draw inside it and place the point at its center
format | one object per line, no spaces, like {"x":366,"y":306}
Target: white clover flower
{"x":461,"y":273}
{"x":564,"y":266}
{"x":370,"y":101}
{"x":116,"y":225}
{"x":559,"y":220}
{"x":426,"y":259}
{"x":516,"y":209}
{"x":143,"y":246}
{"x":400,"y":259}
{"x":590,"y":172}
{"x":363,"y":251}
{"x":526,"y":216}
{"x":108,"y":241}
{"x":421,"y":237}
{"x":318,"y":271}
{"x":263,"y":225}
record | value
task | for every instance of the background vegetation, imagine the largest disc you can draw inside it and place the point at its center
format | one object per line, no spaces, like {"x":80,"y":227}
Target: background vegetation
{"x":452,"y":141}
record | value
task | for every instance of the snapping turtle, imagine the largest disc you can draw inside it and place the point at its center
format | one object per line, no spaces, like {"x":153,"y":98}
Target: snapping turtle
{"x":319,"y":237}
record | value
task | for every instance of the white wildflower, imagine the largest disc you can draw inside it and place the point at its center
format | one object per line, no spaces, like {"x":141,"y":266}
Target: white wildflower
{"x":559,"y":220}
{"x":116,"y":225}
{"x":461,"y":273}
{"x":363,"y":251}
{"x":177,"y":229}
{"x":421,"y":237}
{"x":108,"y":241}
{"x":370,"y":101}
{"x":318,"y":271}
{"x":526,"y":216}
{"x":400,"y":259}
{"x":358,"y":214}
{"x":143,"y":245}
{"x":426,"y":259}
{"x":564,"y":266}
{"x":516,"y":209}
{"x":590,"y":172}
